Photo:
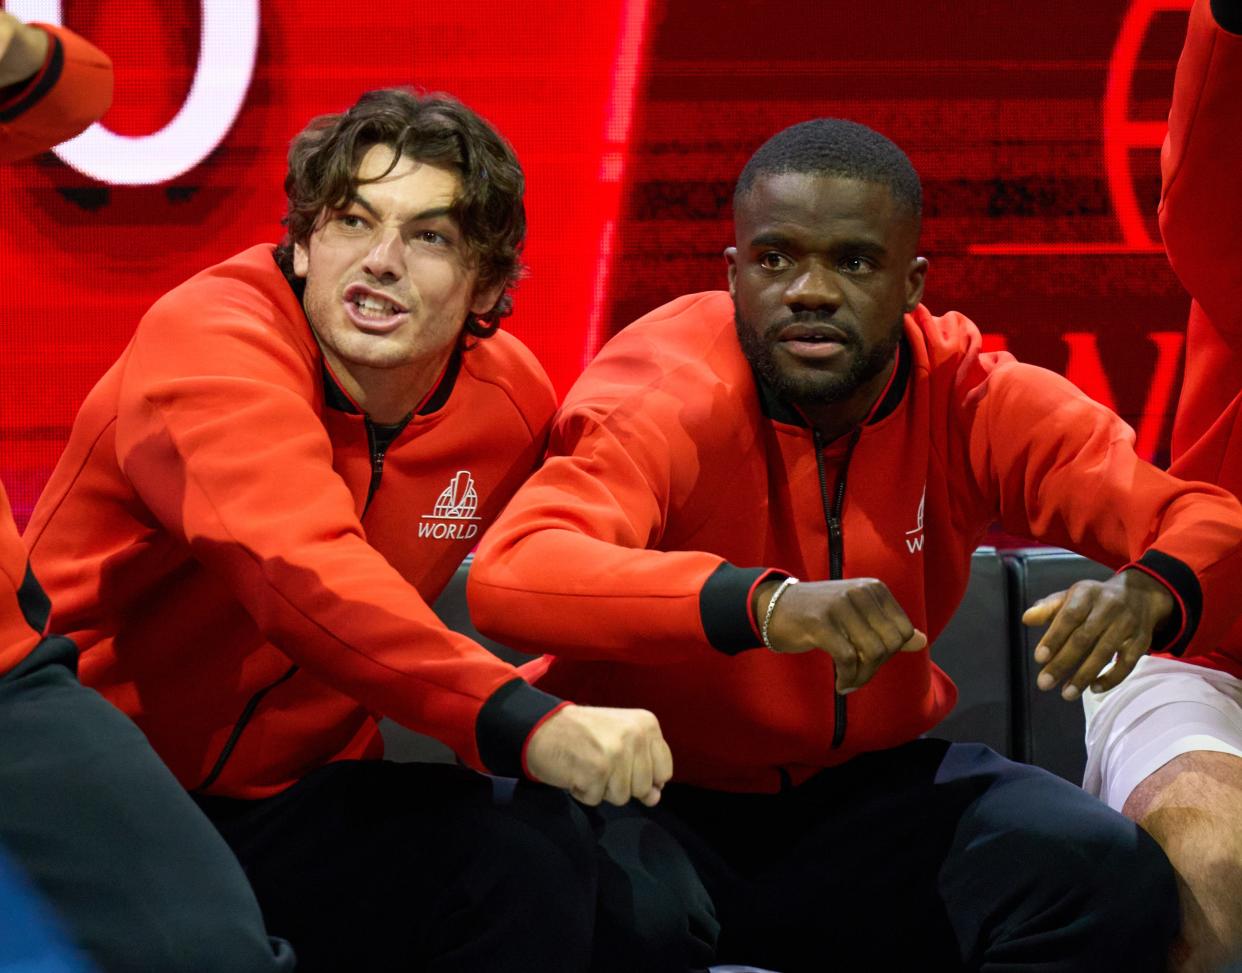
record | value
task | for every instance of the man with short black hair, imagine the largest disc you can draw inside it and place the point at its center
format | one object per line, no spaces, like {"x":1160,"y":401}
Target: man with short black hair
{"x":758,"y":508}
{"x":257,"y":505}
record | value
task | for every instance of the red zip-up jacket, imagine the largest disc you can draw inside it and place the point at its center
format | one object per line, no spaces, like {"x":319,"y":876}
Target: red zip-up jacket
{"x":73,"y":89}
{"x":247,"y":569}
{"x":674,"y":483}
{"x":1200,"y":212}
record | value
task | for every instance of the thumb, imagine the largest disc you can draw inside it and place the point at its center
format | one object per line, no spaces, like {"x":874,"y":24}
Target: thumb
{"x":915,"y":643}
{"x":1042,"y":612}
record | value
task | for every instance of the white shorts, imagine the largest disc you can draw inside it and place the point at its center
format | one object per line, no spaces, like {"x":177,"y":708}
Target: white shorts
{"x":1164,"y":708}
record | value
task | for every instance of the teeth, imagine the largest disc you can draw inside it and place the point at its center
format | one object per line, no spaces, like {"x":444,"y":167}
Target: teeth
{"x":374,"y":307}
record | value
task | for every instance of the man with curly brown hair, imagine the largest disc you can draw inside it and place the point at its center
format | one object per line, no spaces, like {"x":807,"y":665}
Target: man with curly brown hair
{"x":256,"y":506}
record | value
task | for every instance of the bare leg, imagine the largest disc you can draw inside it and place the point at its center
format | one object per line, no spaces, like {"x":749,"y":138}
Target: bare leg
{"x":1193,"y":807}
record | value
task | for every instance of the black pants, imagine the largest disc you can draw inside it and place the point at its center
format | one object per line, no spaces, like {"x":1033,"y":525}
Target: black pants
{"x":374,"y":865}
{"x":98,"y":824}
{"x":929,"y":856}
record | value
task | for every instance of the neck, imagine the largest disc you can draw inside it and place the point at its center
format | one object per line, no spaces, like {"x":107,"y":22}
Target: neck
{"x":834,"y":419}
{"x":388,"y":395}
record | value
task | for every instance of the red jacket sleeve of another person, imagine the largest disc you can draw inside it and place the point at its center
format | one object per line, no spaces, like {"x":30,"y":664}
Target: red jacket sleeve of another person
{"x":1200,"y":212}
{"x":73,"y":89}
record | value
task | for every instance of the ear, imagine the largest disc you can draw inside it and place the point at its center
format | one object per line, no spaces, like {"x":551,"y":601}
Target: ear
{"x":730,"y":256}
{"x":301,"y":259}
{"x":916,"y":277}
{"x":485,"y":300}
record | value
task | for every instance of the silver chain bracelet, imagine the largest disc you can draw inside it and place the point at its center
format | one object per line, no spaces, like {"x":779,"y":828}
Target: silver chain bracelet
{"x":767,"y":615}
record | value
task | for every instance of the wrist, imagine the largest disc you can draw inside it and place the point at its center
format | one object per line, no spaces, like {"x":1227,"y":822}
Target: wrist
{"x":770,"y":609}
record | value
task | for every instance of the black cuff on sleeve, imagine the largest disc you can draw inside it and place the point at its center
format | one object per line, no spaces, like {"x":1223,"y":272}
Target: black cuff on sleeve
{"x":44,"y":82}
{"x":506,"y":720}
{"x":724,"y":606}
{"x":1228,"y":13}
{"x":1188,"y":594}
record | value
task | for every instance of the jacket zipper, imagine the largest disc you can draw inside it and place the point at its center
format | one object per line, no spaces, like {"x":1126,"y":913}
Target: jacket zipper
{"x":377,"y":462}
{"x":833,"y":506}
{"x":377,"y":472}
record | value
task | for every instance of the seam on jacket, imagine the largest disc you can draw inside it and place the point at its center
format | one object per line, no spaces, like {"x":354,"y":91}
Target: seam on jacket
{"x":34,"y":539}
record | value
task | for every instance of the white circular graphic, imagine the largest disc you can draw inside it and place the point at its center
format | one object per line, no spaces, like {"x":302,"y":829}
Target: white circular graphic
{"x":226,"y":56}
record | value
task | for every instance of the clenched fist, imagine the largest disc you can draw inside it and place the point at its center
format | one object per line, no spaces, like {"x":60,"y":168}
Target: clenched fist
{"x":602,"y":754}
{"x":857,"y":621}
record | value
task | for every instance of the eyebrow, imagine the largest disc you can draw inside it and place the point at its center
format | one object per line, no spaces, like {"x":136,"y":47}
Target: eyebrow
{"x":427,"y":214}
{"x":854,"y":244}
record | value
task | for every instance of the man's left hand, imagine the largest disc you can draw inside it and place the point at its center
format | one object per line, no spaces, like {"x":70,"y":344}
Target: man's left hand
{"x":22,"y":50}
{"x":1093,"y":622}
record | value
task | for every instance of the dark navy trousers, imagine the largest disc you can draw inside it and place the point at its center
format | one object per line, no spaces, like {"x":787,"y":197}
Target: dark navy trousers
{"x":928,"y":856}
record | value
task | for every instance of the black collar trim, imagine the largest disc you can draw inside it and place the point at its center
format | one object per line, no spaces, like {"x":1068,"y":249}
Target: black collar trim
{"x":779,"y":410}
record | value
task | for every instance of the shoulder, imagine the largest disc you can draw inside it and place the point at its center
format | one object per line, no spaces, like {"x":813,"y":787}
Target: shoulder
{"x":232,"y":318}
{"x":503,"y":363}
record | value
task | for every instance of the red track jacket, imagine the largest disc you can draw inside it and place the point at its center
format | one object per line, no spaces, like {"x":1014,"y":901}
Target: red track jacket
{"x":244,"y":567}
{"x":1200,"y":216}
{"x":674,"y":483}
{"x":73,"y":89}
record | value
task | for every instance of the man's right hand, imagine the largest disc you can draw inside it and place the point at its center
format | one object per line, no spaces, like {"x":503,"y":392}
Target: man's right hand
{"x":601,"y":754}
{"x":22,"y":50}
{"x":857,"y":621}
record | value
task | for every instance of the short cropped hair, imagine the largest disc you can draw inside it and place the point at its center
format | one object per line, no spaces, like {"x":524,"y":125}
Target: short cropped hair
{"x":432,"y":128}
{"x":836,"y":147}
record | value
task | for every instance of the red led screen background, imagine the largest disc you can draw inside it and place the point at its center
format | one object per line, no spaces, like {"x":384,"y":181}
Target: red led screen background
{"x":1036,"y":130}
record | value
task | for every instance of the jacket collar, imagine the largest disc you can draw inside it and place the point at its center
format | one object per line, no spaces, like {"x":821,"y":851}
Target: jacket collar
{"x":779,"y":410}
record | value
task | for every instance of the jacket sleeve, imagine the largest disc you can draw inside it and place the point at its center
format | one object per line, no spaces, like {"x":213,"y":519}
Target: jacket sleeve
{"x":1062,"y":469}
{"x":73,"y":89}
{"x":573,"y":565}
{"x":1200,"y":210}
{"x":218,"y":436}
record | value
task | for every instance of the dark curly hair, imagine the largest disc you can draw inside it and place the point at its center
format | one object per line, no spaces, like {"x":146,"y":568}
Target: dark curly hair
{"x":432,"y":128}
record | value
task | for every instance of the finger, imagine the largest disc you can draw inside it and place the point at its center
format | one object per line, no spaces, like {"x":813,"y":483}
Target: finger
{"x":1074,"y":609}
{"x":652,"y":797}
{"x":879,"y":611}
{"x":618,"y":789}
{"x":589,"y":794}
{"x":1081,"y":643}
{"x":915,"y":643}
{"x":1106,"y":647}
{"x":1131,"y":651}
{"x":661,"y":763}
{"x":868,"y":649}
{"x":844,"y":657}
{"x":641,"y":776}
{"x":1042,"y":611}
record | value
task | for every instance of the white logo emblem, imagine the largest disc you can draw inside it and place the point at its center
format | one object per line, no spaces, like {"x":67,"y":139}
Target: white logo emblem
{"x":914,"y":538}
{"x":452,"y":518}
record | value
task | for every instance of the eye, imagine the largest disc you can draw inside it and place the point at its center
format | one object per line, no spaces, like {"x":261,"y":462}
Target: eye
{"x":433,"y":238}
{"x":351,"y":221}
{"x":772,"y":260}
{"x":857,"y":265}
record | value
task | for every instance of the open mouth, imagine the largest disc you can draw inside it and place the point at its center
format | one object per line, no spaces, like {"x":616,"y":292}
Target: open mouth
{"x":811,"y":341}
{"x":372,"y":311}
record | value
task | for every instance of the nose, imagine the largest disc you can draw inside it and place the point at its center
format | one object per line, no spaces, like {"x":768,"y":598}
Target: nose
{"x":384,"y":260}
{"x":814,"y":288}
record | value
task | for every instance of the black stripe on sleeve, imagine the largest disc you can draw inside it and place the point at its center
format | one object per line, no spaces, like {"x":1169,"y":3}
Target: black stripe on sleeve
{"x":506,"y":720}
{"x":46,"y":82}
{"x":1185,"y":585}
{"x":724,"y":606}
{"x":36,"y":606}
